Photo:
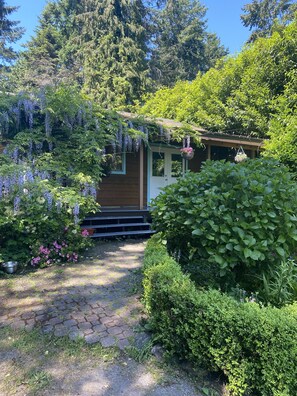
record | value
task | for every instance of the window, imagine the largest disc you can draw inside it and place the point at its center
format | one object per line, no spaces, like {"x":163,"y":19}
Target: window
{"x":118,"y":166}
{"x":176,"y":165}
{"x":158,"y":164}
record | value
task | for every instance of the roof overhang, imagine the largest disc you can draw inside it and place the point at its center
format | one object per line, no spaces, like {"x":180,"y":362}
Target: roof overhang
{"x":207,"y":138}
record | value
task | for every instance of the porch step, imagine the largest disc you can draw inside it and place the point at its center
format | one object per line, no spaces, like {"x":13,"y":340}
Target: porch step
{"x":115,"y":218}
{"x":122,"y":234}
{"x":118,"y":223}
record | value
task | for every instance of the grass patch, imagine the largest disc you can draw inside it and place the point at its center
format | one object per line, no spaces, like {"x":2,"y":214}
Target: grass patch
{"x":34,"y":342}
{"x":36,"y":379}
{"x":142,"y":354}
{"x":28,"y":358}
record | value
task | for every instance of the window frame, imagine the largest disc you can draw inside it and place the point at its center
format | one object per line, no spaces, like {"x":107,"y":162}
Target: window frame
{"x":123,"y":170}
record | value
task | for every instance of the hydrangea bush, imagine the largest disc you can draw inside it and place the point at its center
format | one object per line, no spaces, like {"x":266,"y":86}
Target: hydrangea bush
{"x":235,"y":222}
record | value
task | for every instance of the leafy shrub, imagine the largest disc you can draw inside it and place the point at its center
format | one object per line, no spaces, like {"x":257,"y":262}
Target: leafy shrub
{"x":255,"y":347}
{"x":238,"y":218}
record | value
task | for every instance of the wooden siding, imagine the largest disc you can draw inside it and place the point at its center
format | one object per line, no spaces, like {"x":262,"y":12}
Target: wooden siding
{"x":200,"y":156}
{"x":123,"y":190}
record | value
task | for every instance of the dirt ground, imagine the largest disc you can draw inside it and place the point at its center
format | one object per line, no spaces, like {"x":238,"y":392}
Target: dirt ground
{"x":77,"y":330}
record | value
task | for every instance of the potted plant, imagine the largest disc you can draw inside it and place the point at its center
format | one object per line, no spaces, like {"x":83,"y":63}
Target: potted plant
{"x":240,"y":156}
{"x":187,"y":153}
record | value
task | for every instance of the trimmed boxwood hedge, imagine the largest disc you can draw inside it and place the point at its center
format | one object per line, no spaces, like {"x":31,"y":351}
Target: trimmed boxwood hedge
{"x":255,"y":347}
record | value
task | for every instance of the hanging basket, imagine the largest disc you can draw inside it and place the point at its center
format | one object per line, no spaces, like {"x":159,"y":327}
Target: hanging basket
{"x":187,"y":153}
{"x":240,"y":156}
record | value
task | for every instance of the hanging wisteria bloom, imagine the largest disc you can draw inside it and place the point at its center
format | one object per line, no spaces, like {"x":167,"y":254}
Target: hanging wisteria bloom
{"x":15,"y":155}
{"x":76,"y":213}
{"x":16,"y":204}
{"x":48,"y":126}
{"x":93,"y":191}
{"x":29,"y":107}
{"x":30,"y":149}
{"x":59,"y":206}
{"x":49,"y":199}
{"x":1,"y":186}
{"x":29,"y":177}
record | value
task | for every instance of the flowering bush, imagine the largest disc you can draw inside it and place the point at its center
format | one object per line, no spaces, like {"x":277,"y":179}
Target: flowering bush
{"x":56,"y":253}
{"x":38,"y":217}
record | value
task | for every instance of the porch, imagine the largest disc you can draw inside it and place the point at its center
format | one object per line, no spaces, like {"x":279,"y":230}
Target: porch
{"x":146,"y":172}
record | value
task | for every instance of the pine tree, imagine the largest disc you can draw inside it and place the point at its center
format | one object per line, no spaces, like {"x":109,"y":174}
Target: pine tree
{"x":260,"y":16}
{"x":44,"y":62}
{"x":9,"y":33}
{"x":181,"y":46}
{"x":100,"y":44}
{"x":112,"y":49}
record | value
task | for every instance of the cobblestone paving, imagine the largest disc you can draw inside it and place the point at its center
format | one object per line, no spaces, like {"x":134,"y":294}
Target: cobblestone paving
{"x":94,"y":299}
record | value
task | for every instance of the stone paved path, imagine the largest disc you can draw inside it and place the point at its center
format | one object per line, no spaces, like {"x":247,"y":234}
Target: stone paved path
{"x":94,"y":299}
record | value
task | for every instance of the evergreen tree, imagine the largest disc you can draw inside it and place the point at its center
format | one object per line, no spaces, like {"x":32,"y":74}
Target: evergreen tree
{"x":111,"y":41}
{"x":181,"y":45}
{"x":9,"y":33}
{"x":44,"y":62}
{"x":100,"y":44}
{"x":260,"y":16}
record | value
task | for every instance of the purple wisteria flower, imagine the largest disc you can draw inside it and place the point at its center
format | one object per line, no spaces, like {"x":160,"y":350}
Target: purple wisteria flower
{"x":16,"y":204}
{"x":48,"y":126}
{"x":15,"y":155}
{"x":49,"y":199}
{"x":29,"y":107}
{"x":59,"y":206}
{"x":30,"y":150}
{"x":76,"y":213}
{"x":29,"y":176}
{"x":1,"y":186}
{"x":93,"y":191}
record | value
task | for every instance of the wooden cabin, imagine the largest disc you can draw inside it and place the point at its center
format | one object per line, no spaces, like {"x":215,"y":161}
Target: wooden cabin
{"x":138,"y":176}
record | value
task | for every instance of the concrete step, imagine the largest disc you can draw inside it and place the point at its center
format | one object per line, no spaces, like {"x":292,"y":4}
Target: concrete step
{"x":122,"y":234}
{"x":116,"y":225}
{"x":113,"y":218}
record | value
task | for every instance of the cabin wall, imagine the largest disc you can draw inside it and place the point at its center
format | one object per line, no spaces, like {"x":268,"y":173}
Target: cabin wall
{"x":194,"y":165}
{"x":123,"y":190}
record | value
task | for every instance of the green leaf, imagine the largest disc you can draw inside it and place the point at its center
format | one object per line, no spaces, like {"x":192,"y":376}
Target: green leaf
{"x":280,"y":251}
{"x":229,"y":246}
{"x":247,"y":252}
{"x":218,"y":259}
{"x":197,"y":232}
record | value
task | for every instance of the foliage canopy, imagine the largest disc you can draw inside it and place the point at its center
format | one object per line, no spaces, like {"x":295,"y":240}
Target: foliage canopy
{"x":241,"y":94}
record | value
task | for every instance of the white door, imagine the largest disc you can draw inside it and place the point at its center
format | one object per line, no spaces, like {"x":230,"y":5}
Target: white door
{"x":166,"y":165}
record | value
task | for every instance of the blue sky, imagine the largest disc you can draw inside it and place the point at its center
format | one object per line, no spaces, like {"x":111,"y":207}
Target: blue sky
{"x":223,"y":19}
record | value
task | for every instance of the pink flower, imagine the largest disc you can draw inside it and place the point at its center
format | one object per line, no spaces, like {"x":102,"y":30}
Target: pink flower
{"x":35,"y":260}
{"x":186,"y":150}
{"x":44,"y":250}
{"x":85,"y":233}
{"x":57,"y":246}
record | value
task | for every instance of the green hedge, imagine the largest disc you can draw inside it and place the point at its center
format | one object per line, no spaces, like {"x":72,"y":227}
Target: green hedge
{"x":255,"y":347}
